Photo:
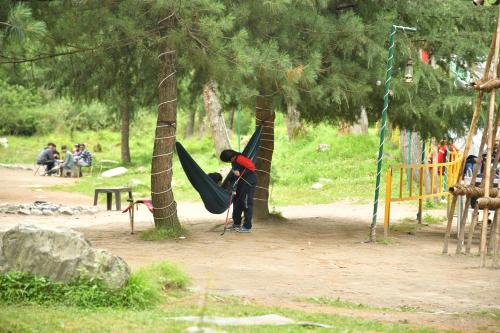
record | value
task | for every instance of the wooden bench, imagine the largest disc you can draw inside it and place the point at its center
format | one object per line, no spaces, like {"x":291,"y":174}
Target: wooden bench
{"x":109,"y":196}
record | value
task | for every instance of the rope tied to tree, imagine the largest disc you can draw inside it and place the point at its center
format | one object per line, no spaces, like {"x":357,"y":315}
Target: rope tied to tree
{"x":161,"y":155}
{"x":169,"y":75}
{"x":166,"y":102}
{"x":160,"y":172}
{"x":167,"y":190}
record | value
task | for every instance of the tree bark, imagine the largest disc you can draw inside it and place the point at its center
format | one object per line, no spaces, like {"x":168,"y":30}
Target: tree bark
{"x":165,"y":208}
{"x":294,"y":125}
{"x":125,"y":129}
{"x":201,"y":124}
{"x":361,"y":125}
{"x":190,"y":124}
{"x":416,"y":150}
{"x":264,"y":116}
{"x":216,"y":120}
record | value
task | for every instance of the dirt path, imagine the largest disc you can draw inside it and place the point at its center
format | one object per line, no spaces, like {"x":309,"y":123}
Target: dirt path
{"x":21,"y":186}
{"x":317,"y":251}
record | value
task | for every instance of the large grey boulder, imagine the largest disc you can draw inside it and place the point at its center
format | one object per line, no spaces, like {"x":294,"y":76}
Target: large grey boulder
{"x":61,"y":254}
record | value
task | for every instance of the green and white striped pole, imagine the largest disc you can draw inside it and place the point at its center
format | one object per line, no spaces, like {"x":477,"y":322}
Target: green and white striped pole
{"x":388,"y":77}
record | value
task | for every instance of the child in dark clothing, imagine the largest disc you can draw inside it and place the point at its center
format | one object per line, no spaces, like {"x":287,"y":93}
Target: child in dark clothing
{"x":244,"y":169}
{"x":216,"y":177}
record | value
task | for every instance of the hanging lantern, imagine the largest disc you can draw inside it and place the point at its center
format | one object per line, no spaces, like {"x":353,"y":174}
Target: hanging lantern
{"x":409,"y":71}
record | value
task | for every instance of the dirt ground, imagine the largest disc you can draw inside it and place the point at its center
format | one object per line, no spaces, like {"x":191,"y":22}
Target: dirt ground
{"x":316,"y":251}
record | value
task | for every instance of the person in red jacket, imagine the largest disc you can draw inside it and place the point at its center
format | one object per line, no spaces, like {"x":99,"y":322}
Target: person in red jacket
{"x":244,"y":170}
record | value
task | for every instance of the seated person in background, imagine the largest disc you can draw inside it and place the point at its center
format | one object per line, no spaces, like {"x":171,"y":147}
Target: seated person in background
{"x":68,"y":164}
{"x":46,"y":158}
{"x":83,"y":157}
{"x":216,"y":177}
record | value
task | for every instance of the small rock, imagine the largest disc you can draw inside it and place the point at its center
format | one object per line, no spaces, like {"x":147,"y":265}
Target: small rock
{"x":47,"y":212}
{"x":35,"y":211}
{"x":93,"y":210}
{"x":24,"y":211}
{"x":13,"y":208}
{"x":317,"y":186}
{"x":323,"y":147}
{"x":114,"y":172}
{"x":65,"y":211}
{"x":325,"y":180}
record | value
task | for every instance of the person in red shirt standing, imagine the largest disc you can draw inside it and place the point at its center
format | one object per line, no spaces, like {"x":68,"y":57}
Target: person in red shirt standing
{"x":442,"y":154}
{"x":244,"y":169}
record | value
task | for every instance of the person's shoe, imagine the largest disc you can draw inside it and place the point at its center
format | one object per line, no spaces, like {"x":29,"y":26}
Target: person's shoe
{"x":245,"y":230}
{"x":234,"y":227}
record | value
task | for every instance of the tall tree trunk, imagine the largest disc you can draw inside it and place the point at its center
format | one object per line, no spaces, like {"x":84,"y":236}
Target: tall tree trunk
{"x":264,"y":116}
{"x":165,"y":208}
{"x":216,"y":120}
{"x":361,"y":125}
{"x":201,"y":123}
{"x":294,"y":125}
{"x":125,"y":130}
{"x":190,"y":124}
{"x":416,"y":150}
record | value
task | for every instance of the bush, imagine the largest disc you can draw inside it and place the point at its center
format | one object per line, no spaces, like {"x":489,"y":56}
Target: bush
{"x":145,"y":288}
{"x":14,"y":100}
{"x":25,"y":112}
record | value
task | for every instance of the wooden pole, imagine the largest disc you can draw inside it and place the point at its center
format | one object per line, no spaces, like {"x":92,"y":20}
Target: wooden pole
{"x":475,"y":213}
{"x":496,"y":239}
{"x":487,"y":172}
{"x":388,"y":193}
{"x":475,"y":172}
{"x":472,"y":129}
{"x":495,"y":191}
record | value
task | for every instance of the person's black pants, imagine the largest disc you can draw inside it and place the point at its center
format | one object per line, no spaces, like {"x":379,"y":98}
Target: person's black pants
{"x":48,"y":166}
{"x":243,"y":203}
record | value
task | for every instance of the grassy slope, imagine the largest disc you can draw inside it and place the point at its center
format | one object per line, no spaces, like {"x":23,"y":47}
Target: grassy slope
{"x":31,"y":318}
{"x":350,"y":162}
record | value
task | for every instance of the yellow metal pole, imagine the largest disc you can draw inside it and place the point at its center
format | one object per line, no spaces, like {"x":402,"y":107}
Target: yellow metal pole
{"x":388,"y":190}
{"x":400,"y":183}
{"x":411,"y":181}
{"x":420,"y":193}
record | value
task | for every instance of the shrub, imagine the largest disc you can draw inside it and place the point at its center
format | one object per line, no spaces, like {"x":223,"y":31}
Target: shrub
{"x":145,"y":288}
{"x":14,"y":100}
{"x":26,"y":112}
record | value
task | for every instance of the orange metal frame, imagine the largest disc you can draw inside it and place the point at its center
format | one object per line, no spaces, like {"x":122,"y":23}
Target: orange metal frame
{"x":451,"y":169}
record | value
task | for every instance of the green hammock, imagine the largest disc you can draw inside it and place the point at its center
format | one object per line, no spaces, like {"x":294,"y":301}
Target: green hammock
{"x":214,"y":197}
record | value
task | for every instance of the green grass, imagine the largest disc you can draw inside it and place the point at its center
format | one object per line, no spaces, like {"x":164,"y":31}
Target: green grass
{"x":350,"y":162}
{"x":145,"y":288}
{"x":159,"y":234}
{"x":340,"y":303}
{"x":406,"y":225}
{"x":410,"y":225}
{"x":490,"y":313}
{"x":31,"y":318}
{"x":429,"y":219}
